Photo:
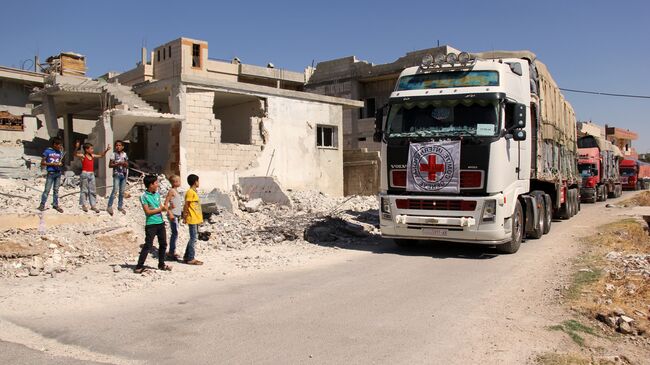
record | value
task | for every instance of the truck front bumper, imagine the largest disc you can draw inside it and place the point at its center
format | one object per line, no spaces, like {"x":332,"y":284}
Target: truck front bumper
{"x":445,"y":225}
{"x":587,"y":193}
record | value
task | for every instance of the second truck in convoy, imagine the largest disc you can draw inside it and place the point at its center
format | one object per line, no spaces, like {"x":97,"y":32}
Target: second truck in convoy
{"x":477,"y":148}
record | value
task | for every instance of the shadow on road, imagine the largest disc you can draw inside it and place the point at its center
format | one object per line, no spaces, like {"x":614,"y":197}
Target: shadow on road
{"x":361,"y":234}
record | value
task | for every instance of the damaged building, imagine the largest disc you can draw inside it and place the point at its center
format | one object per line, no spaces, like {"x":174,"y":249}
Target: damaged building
{"x":182,"y":112}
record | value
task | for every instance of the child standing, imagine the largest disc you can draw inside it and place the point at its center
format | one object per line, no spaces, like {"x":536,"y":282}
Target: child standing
{"x":119,"y":162}
{"x":174,"y":202}
{"x":193,"y":216}
{"x":88,"y":189}
{"x":52,"y":161}
{"x":154,"y":225}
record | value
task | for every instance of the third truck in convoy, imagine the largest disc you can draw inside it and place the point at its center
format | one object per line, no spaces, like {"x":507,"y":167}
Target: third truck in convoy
{"x":477,"y":148}
{"x":598,"y":163}
{"x":635,"y":174}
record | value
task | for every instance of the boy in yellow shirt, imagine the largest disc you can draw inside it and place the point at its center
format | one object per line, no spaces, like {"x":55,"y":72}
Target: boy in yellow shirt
{"x":192,"y":216}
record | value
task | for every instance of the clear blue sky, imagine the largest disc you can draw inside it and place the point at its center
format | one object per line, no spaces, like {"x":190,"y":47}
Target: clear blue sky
{"x":592,"y":45}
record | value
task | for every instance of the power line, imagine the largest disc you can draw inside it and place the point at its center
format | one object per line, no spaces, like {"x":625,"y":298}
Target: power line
{"x":607,"y":94}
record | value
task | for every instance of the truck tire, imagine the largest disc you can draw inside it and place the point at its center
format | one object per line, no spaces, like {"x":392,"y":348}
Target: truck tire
{"x":405,"y":243}
{"x":517,"y":221}
{"x":570,"y":203}
{"x":599,"y":194}
{"x":563,"y":211}
{"x":539,"y":225}
{"x":548,"y":213}
{"x":611,"y":193}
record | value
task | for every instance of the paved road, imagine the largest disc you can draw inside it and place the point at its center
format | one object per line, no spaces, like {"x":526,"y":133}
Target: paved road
{"x":440,"y":303}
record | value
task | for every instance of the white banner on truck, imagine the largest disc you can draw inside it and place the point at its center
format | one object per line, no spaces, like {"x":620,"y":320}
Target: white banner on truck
{"x":434,"y":167}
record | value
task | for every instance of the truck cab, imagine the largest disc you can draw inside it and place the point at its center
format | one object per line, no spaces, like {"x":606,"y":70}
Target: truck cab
{"x":589,"y":166}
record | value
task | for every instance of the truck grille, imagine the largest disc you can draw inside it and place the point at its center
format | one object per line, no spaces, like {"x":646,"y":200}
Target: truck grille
{"x":429,"y":204}
{"x":471,"y":179}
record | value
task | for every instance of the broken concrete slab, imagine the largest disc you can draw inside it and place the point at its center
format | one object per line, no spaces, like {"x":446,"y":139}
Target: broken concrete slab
{"x":254,"y":205}
{"x":215,"y":200}
{"x":267,"y":188}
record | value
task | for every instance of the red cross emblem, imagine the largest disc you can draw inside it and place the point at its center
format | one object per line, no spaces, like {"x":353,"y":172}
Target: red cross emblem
{"x":431,"y":168}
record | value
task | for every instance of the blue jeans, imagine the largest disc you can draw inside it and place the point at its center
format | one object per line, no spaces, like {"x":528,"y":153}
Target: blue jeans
{"x":52,"y":182}
{"x":119,"y":184}
{"x":174,"y":236}
{"x":88,"y":190}
{"x":189,"y":250}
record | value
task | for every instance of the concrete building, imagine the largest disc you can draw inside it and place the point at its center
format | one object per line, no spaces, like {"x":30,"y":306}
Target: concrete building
{"x":184,"y":112}
{"x":16,"y":120}
{"x":622,"y":138}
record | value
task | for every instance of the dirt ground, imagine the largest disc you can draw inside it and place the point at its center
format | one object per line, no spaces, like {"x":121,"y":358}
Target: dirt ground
{"x":507,"y":301}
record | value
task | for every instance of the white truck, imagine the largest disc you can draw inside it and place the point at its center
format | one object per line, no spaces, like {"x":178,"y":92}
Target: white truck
{"x":477,"y":148}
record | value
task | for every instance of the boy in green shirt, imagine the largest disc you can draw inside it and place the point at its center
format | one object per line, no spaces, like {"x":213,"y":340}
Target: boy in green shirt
{"x":154,"y":225}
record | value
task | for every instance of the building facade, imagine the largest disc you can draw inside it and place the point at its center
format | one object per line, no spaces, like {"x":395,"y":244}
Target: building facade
{"x":182,"y":112}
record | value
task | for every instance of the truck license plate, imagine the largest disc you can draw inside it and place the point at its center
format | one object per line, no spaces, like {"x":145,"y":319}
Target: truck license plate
{"x":435,"y":232}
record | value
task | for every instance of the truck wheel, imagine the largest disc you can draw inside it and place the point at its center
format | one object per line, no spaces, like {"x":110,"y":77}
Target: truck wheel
{"x":548,"y":213}
{"x":539,"y":226}
{"x":517,"y":221}
{"x":599,"y":194}
{"x":404,"y":243}
{"x":570,"y":203}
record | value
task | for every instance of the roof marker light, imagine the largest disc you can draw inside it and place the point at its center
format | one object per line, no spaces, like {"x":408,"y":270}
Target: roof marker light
{"x":464,"y":58}
{"x":427,"y":61}
{"x":452,"y":58}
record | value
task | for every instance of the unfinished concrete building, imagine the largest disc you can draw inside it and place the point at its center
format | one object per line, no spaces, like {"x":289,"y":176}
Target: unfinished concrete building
{"x":183,"y":113}
{"x":372,"y":84}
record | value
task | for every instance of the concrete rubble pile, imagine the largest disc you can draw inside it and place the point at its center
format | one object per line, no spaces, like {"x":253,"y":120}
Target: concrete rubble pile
{"x":43,"y":244}
{"x":256,"y":223}
{"x":623,"y":270}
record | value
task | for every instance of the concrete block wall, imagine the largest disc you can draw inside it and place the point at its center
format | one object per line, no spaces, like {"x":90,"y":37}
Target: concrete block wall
{"x":361,"y":172}
{"x":168,"y":66}
{"x":203,"y":147}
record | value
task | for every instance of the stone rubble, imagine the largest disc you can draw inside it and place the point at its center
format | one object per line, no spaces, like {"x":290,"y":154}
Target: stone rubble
{"x":81,"y":238}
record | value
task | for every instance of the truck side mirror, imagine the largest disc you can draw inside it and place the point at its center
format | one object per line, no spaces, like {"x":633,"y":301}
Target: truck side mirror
{"x":519,"y":135}
{"x":379,"y":121}
{"x":519,"y":116}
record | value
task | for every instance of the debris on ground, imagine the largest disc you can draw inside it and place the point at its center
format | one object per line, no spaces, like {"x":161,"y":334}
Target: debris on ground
{"x":34,"y":243}
{"x":619,"y":298}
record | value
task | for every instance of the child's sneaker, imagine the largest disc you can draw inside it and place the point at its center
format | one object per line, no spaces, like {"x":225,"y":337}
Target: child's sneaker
{"x":41,"y":207}
{"x":110,"y":210}
{"x":58,"y":209}
{"x":84,"y":208}
{"x":94,"y":209}
{"x":122,"y":210}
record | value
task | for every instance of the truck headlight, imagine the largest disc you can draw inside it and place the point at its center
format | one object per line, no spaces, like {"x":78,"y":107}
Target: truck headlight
{"x":385,"y":208}
{"x":489,"y":211}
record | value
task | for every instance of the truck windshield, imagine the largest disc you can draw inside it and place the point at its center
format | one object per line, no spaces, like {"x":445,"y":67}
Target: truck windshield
{"x":433,"y":118}
{"x":587,"y":170}
{"x":448,"y":79}
{"x":627,"y":172}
